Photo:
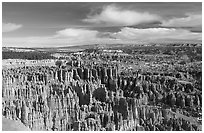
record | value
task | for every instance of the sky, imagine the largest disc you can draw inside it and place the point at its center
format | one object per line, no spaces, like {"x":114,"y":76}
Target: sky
{"x":58,"y":24}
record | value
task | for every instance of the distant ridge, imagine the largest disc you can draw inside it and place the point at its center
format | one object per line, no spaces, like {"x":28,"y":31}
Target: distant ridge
{"x":98,"y":46}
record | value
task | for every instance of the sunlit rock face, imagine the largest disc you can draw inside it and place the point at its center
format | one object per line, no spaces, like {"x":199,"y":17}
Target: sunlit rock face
{"x":13,"y":125}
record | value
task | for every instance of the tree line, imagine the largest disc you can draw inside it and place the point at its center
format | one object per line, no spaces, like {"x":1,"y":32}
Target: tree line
{"x":26,"y":55}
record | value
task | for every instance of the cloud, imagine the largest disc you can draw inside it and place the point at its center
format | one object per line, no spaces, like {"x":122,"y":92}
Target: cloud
{"x":8,"y":27}
{"x":113,"y":15}
{"x":156,"y":34}
{"x":126,"y":35}
{"x":191,"y":20}
{"x":65,"y":37}
{"x":76,"y":33}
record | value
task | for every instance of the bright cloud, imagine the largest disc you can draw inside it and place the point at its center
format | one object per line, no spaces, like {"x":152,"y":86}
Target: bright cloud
{"x":113,"y":15}
{"x":155,"y":34}
{"x":79,"y":33}
{"x":192,"y":20}
{"x":8,"y":27}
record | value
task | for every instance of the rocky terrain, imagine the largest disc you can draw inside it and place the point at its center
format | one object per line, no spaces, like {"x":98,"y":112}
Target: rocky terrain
{"x":140,"y":90}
